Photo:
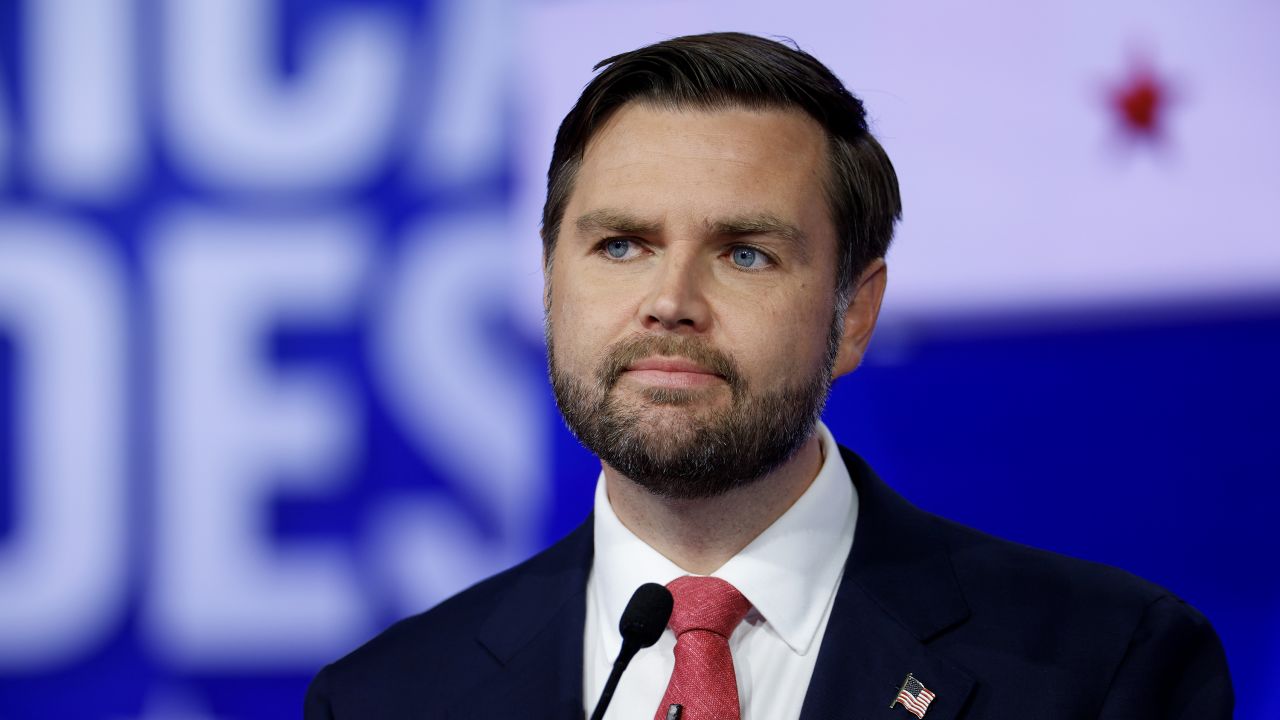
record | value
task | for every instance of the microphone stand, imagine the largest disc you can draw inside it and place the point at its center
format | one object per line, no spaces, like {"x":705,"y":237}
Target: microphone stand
{"x":628,"y":651}
{"x":642,"y":623}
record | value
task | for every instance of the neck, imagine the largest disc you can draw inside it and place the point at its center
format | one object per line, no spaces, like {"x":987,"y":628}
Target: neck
{"x":701,"y":535}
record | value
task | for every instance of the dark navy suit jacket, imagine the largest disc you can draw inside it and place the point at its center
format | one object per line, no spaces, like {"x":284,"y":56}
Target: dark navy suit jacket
{"x":994,"y":629}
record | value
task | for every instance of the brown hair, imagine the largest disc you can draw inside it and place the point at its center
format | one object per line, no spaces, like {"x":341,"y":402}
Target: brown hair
{"x":722,"y":70}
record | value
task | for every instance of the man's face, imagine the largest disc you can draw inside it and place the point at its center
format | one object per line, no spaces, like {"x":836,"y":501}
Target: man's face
{"x":691,"y":320}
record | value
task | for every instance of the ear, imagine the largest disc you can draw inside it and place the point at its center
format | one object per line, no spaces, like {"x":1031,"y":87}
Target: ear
{"x":860,"y":318}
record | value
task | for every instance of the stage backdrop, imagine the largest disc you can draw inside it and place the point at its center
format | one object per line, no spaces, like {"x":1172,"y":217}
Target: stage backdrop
{"x":271,"y":366}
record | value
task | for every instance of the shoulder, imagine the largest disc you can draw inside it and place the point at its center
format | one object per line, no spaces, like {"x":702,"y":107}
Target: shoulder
{"x":1107,"y":643}
{"x":420,"y":641}
{"x":1142,"y":651}
{"x":385,"y":675}
{"x":997,"y":572}
{"x":1133,"y":646}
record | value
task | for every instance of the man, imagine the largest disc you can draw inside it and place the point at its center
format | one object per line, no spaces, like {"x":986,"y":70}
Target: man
{"x":716,"y":221}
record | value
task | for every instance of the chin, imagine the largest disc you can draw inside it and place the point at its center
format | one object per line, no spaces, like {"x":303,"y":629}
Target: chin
{"x":650,"y":396}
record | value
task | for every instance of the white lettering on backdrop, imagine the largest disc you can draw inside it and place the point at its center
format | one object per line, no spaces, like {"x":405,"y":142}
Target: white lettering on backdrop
{"x":235,"y":124}
{"x":85,"y":136}
{"x":63,"y":569}
{"x":230,"y":434}
{"x":184,"y":524}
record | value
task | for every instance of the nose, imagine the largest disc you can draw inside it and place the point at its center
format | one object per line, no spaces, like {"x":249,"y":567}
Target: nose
{"x":676,"y":301}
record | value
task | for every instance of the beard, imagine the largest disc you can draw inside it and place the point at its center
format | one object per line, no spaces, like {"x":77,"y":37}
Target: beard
{"x":701,"y":452}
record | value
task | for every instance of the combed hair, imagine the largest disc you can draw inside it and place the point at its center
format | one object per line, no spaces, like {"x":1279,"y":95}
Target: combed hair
{"x":735,"y":70}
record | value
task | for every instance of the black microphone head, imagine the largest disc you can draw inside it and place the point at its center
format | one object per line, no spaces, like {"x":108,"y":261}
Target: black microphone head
{"x":646,"y":615}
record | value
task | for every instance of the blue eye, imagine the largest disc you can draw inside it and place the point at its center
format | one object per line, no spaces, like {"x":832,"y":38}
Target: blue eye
{"x":617,"y":248}
{"x":748,"y":257}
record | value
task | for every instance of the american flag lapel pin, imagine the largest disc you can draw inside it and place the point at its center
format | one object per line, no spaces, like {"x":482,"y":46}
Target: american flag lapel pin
{"x":914,"y":696}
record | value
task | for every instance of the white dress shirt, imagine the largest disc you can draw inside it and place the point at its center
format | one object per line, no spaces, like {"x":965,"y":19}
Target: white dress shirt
{"x":790,"y":573}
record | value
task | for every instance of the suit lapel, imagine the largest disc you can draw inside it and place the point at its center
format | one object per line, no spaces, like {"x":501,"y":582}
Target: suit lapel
{"x":535,"y":635}
{"x":897,"y":594}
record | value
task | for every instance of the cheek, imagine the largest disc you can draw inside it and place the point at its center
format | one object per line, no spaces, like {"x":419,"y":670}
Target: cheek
{"x":583,"y":322}
{"x":776,"y":340}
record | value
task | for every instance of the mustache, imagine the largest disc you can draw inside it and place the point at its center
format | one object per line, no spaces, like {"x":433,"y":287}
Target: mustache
{"x":619,"y":356}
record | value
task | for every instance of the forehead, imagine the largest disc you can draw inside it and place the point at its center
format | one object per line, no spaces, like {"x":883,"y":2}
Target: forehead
{"x":663,"y":163}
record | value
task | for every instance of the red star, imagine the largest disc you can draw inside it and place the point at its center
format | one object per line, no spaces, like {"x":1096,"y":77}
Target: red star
{"x":1141,"y":102}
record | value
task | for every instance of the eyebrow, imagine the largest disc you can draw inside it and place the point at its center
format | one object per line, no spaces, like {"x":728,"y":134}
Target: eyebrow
{"x":614,"y":221}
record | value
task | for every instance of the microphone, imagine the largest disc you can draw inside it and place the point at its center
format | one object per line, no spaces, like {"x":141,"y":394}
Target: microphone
{"x":641,"y":625}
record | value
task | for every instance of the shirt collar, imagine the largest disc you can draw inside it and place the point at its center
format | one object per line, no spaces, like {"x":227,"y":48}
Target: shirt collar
{"x":789,"y":572}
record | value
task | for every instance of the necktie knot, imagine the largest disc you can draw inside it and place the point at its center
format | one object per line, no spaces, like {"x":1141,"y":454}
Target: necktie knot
{"x":706,"y":603}
{"x":703,"y":681}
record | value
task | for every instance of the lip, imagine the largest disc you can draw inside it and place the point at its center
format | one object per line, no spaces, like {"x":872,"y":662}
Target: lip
{"x":671,"y":372}
{"x":669,"y":364}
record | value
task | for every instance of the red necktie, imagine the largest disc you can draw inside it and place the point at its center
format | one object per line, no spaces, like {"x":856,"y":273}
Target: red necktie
{"x":707,"y":609}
